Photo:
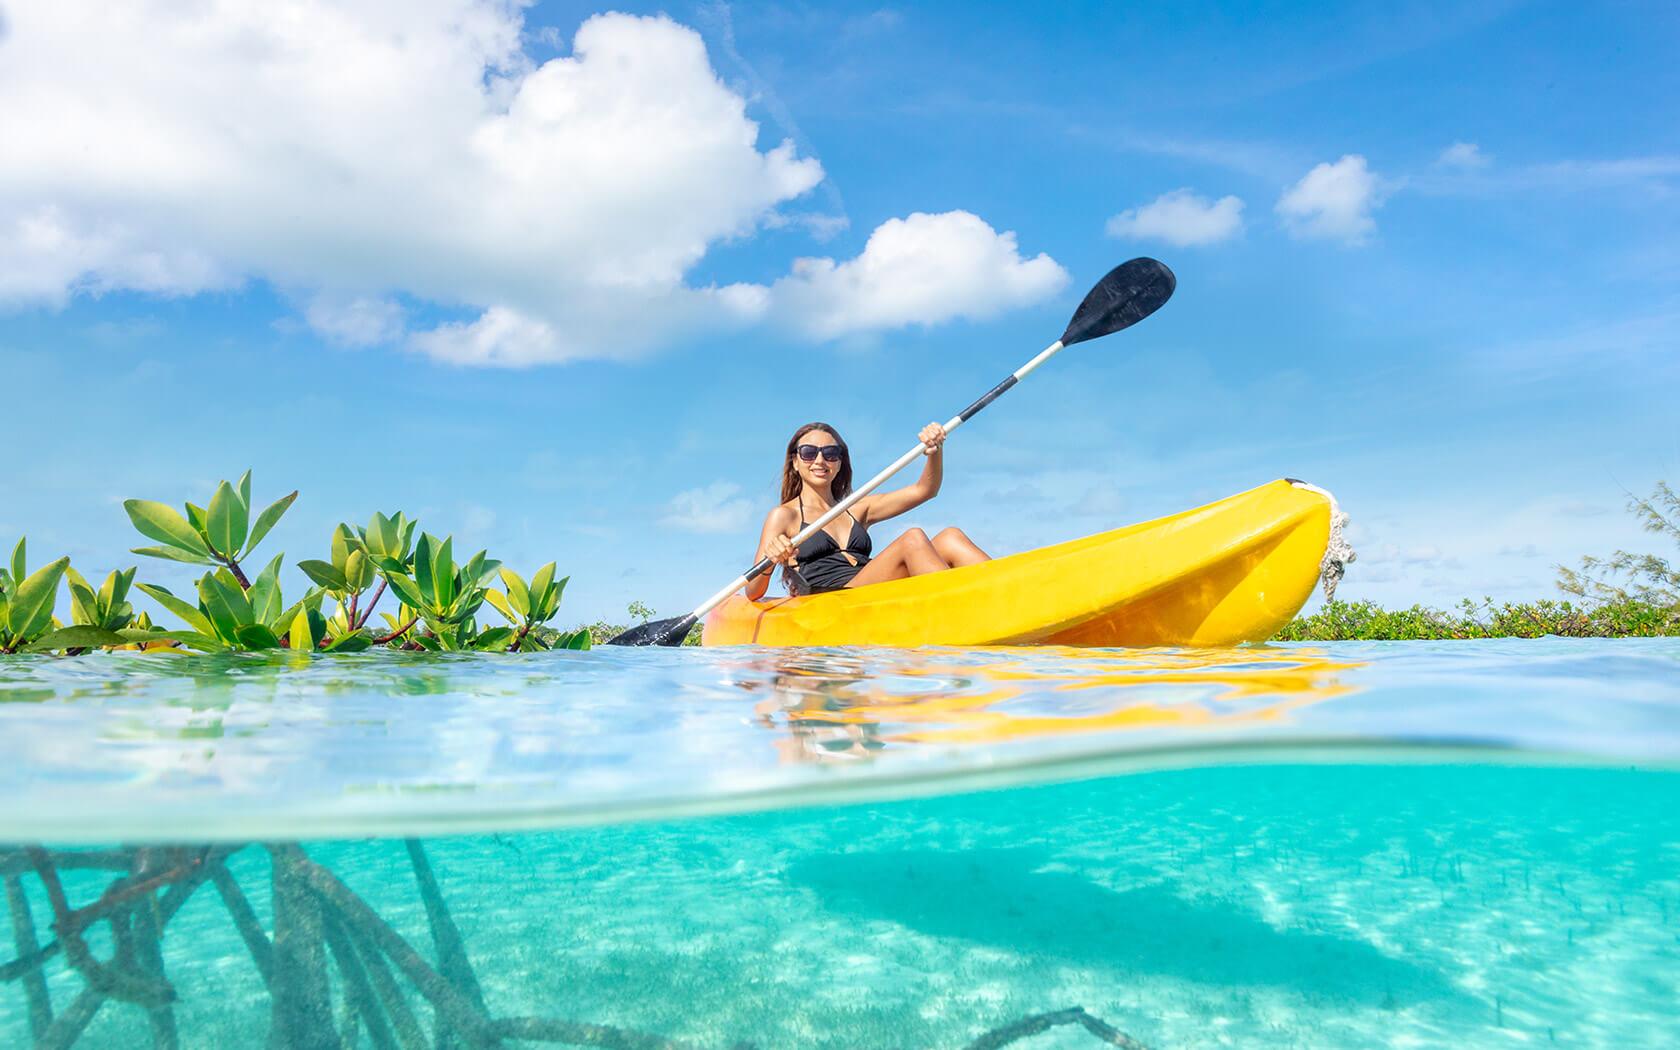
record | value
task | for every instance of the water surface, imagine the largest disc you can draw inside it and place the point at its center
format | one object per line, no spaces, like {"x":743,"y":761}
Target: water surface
{"x":137,"y":746}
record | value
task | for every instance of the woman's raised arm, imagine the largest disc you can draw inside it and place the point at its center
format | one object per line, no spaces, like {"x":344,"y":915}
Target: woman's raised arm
{"x":884,"y":505}
{"x":772,"y":544}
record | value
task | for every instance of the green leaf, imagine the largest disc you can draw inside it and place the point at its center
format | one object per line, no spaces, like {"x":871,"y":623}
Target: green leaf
{"x":494,"y":638}
{"x":244,"y":488}
{"x":484,"y":571}
{"x":500,"y":602}
{"x":235,"y":595}
{"x":423,"y":558}
{"x":463,"y":608}
{"x":302,"y":636}
{"x":227,"y":521}
{"x":20,"y":559}
{"x":381,"y":536}
{"x":308,"y":604}
{"x":518,"y":597}
{"x":443,"y":572}
{"x":269,"y":518}
{"x":173,"y":554}
{"x":540,"y":584}
{"x":341,"y":547}
{"x":325,"y":574}
{"x":354,"y":642}
{"x":203,"y":642}
{"x":358,"y":571}
{"x":407,"y":590}
{"x":551,"y":604}
{"x":81,"y":636}
{"x":164,"y":524}
{"x":256,"y":636}
{"x":108,"y":595}
{"x":195,"y":617}
{"x":578,"y":639}
{"x":84,"y":604}
{"x":32,"y":605}
{"x":119,"y":587}
{"x":216,"y":597}
{"x":264,"y":594}
{"x":197,"y":518}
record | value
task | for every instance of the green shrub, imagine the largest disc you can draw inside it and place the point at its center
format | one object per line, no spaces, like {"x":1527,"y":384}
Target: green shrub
{"x":438,"y":600}
{"x":1365,"y":621}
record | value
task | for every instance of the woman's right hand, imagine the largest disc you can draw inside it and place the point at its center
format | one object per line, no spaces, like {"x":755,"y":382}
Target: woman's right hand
{"x":780,"y":551}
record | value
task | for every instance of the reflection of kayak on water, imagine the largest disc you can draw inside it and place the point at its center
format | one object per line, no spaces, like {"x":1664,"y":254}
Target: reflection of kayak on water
{"x":1232,"y":571}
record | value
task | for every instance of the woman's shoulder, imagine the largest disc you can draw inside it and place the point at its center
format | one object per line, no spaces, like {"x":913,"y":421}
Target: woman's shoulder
{"x":783,"y":513}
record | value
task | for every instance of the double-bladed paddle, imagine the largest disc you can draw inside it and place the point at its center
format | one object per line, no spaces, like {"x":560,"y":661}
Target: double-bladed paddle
{"x":1131,"y":291}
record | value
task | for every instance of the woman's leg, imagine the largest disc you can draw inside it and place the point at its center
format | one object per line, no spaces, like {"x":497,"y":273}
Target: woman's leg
{"x":956,"y":548}
{"x":912,"y":554}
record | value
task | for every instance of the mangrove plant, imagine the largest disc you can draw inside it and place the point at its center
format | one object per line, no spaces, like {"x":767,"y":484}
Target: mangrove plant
{"x":437,"y":602}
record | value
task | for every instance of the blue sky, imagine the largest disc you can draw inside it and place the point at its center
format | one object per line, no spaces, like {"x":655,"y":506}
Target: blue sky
{"x":543,"y":289}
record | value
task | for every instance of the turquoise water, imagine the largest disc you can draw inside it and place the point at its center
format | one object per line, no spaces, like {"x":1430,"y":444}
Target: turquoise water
{"x":1473,"y":844}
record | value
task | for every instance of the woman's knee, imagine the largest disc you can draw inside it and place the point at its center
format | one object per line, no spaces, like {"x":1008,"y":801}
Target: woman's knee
{"x":951,"y":534}
{"x":915,"y":538}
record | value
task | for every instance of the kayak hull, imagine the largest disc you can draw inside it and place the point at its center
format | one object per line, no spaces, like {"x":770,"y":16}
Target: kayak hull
{"x":1233,"y":571}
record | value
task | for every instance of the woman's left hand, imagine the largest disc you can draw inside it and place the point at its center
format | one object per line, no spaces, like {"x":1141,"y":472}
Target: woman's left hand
{"x":933,"y":436}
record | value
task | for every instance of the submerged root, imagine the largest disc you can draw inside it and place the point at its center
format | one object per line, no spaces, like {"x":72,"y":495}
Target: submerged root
{"x":1030,"y":1026}
{"x":23,"y":939}
{"x":321,"y":927}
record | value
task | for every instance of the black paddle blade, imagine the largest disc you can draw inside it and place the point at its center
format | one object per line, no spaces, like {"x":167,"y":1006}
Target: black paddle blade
{"x":657,"y":632}
{"x":1131,"y":291}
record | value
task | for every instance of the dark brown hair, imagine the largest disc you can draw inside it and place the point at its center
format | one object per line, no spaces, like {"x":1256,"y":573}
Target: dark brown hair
{"x":793,"y":484}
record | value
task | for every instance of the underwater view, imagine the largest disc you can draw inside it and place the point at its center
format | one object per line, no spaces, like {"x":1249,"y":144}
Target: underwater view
{"x":1472,"y":843}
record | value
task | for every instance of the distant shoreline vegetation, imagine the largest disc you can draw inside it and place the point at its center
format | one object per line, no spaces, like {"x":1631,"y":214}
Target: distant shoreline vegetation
{"x":1625,"y":595}
{"x":1368,"y":622}
{"x":437,"y":599}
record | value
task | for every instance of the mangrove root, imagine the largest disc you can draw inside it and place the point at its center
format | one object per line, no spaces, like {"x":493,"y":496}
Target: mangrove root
{"x":1029,"y":1026}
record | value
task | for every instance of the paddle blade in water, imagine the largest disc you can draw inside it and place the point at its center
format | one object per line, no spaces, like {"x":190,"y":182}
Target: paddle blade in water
{"x":1131,"y":291}
{"x":657,"y":632}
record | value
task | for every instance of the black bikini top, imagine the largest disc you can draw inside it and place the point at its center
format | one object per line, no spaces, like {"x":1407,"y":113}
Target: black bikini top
{"x":822,"y":545}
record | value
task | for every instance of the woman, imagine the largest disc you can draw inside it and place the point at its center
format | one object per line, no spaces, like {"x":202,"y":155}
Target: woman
{"x":815,"y":475}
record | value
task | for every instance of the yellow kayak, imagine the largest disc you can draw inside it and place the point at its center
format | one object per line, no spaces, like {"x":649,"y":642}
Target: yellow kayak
{"x":1232,"y":571}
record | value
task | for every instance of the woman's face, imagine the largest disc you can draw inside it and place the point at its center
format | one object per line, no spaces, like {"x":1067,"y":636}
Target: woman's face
{"x":819,"y":473}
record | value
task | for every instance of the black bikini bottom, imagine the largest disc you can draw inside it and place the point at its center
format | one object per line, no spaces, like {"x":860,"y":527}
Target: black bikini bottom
{"x":827,"y":574}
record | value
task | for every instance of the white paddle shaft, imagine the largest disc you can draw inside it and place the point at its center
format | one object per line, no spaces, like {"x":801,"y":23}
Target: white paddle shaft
{"x":878,"y":480}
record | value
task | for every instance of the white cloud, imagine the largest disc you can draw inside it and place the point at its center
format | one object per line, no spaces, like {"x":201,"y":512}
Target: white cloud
{"x":718,"y":507}
{"x":1182,"y":218}
{"x":358,"y":150}
{"x":1466,"y":155}
{"x":360,"y":320}
{"x":355,"y":153}
{"x":1333,"y":201}
{"x":923,"y":269}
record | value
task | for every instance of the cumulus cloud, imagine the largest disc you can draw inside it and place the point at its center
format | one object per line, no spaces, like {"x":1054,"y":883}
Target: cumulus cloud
{"x":1333,"y":201}
{"x":1182,"y":218}
{"x":355,"y":153}
{"x":923,"y":269}
{"x":1464,"y":155}
{"x":718,"y":507}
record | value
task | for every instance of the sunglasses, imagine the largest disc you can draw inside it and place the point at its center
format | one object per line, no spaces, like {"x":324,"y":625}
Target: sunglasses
{"x":830,"y":453}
